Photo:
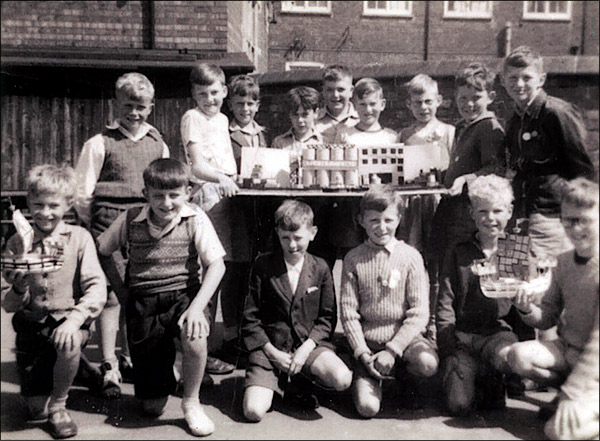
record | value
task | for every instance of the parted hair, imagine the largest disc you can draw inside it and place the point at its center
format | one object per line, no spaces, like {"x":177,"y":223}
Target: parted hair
{"x":580,"y":192}
{"x":166,"y":174}
{"x":365,"y":87}
{"x":491,"y":188}
{"x":421,"y":83}
{"x":524,"y":56}
{"x":292,"y":215}
{"x":302,"y":96}
{"x":379,"y":198}
{"x":135,"y":85}
{"x":244,"y":85}
{"x":477,"y":76}
{"x":336,"y":72}
{"x":52,"y":179}
{"x":204,"y":74}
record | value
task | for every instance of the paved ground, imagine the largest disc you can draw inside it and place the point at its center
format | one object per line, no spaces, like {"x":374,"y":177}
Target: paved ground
{"x":335,"y":419}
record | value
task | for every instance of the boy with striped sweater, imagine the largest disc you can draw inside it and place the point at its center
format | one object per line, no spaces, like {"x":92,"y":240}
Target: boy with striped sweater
{"x":384,"y":302}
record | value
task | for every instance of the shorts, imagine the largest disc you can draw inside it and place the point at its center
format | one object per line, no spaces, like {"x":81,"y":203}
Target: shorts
{"x":258,"y":374}
{"x":36,"y":354}
{"x":151,"y":330}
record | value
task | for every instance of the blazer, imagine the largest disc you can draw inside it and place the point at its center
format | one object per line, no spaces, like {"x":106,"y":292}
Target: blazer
{"x":273,"y":313}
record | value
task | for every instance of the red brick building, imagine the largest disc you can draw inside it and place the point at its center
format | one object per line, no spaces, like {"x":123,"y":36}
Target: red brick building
{"x":359,"y":33}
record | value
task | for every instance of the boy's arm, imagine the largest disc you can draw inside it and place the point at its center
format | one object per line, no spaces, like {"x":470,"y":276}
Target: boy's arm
{"x":545,"y":314}
{"x":253,"y":332}
{"x":491,"y":147}
{"x":91,"y":281}
{"x":350,"y":314}
{"x":112,"y":239}
{"x":445,"y":314}
{"x":327,"y":319}
{"x":17,"y":295}
{"x":417,"y":314}
{"x":88,"y":171}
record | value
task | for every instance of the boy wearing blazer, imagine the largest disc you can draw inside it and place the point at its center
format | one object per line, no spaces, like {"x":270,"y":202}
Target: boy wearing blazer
{"x":290,"y":317}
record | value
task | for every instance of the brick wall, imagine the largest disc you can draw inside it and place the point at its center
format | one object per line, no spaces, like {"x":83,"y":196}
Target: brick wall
{"x":348,"y":37}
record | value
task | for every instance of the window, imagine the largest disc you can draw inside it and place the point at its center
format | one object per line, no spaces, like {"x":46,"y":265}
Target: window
{"x":296,"y":65}
{"x":306,"y":7}
{"x":388,"y":9}
{"x":476,"y":9}
{"x":547,"y":10}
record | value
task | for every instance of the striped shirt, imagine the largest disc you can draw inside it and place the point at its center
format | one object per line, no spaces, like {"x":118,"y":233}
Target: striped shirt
{"x":385,"y":296}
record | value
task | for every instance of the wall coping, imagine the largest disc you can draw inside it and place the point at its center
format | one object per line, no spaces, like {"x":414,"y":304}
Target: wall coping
{"x":555,"y":65}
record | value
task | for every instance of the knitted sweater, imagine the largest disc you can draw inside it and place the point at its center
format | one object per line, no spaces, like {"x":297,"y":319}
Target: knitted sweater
{"x":385,"y":296}
{"x":571,"y":302}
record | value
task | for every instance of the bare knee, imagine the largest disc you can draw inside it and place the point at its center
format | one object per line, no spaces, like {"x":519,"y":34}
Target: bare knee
{"x":254,"y":411}
{"x":518,"y":360}
{"x":425,"y":365}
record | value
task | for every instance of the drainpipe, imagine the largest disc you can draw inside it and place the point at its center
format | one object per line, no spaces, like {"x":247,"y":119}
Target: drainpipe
{"x":148,"y":13}
{"x":507,"y":38}
{"x":583,"y":19}
{"x":426,"y":32}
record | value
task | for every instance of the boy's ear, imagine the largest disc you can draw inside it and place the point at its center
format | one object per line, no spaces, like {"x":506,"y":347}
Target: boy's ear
{"x":492,"y":95}
{"x":145,"y":193}
{"x":225,"y":90}
{"x":408,"y":103}
{"x":542,"y":79}
{"x":383,"y":103}
{"x":188,"y":192}
{"x":510,"y":209}
{"x":313,"y":232}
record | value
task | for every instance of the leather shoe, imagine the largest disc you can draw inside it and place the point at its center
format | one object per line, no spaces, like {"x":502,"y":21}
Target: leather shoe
{"x":218,"y":367}
{"x":61,"y":424}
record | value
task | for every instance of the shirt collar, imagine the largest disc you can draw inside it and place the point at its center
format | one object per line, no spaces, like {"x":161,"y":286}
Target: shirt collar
{"x":484,"y":115}
{"x":253,"y":128}
{"x":535,"y":105}
{"x":311,"y":135}
{"x":144,"y":129}
{"x":389,"y":247}
{"x":297,"y":267}
{"x":348,"y":113}
{"x":60,"y":229}
{"x":144,"y":214}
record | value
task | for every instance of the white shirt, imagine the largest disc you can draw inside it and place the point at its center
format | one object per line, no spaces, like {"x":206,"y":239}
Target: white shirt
{"x":293,"y":273}
{"x":90,"y":165}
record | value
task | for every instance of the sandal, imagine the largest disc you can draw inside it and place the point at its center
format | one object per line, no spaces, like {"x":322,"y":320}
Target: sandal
{"x":218,"y":367}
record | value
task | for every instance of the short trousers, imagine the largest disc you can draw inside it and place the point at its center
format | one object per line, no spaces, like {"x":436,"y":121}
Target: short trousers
{"x":151,"y":330}
{"x":259,"y":375}
{"x":36,"y":354}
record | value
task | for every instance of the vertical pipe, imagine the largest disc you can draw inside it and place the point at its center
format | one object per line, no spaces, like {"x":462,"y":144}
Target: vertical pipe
{"x":426,"y":32}
{"x":149,"y":19}
{"x":508,"y":38}
{"x":583,"y":23}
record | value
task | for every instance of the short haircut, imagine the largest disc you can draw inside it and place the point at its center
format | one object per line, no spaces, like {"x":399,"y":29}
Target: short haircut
{"x":52,"y":179}
{"x":302,"y":96}
{"x":365,"y":87}
{"x":477,"y":76}
{"x":244,"y":85}
{"x":580,"y":192}
{"x":379,"y":198}
{"x":166,"y":174}
{"x":421,"y":83}
{"x":292,"y":215}
{"x":135,"y":85}
{"x":204,"y":74}
{"x":336,"y":72}
{"x":524,"y":56}
{"x":491,"y":188}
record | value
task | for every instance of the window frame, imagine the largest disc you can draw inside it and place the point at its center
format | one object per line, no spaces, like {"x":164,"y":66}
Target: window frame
{"x":299,"y":65}
{"x":468,"y":16}
{"x":288,"y":8}
{"x":551,"y":16}
{"x":387,"y":13}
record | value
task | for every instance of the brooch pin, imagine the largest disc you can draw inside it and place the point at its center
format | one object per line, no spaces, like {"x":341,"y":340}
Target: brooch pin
{"x":527,"y":136}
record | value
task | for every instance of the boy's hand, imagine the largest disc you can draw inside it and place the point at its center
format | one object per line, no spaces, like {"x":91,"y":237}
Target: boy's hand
{"x":384,"y":361}
{"x":368,"y":362}
{"x":459,"y":183}
{"x":66,"y":337}
{"x":18,"y":280}
{"x":281,"y":360}
{"x":228,"y":186}
{"x":193,"y":324}
{"x":300,"y":356}
{"x":524,"y":300}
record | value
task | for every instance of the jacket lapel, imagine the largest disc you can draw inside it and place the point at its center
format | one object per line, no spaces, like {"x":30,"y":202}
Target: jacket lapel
{"x":279,"y":278}
{"x":306,"y":275}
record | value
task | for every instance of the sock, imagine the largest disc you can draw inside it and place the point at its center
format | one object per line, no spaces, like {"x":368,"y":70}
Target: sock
{"x":57,"y":403}
{"x":198,"y":422}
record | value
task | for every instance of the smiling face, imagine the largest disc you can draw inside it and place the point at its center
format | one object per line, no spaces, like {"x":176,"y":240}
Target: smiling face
{"x":165,"y":205}
{"x":47,"y":210}
{"x":472,"y":103}
{"x":380,"y":226}
{"x":132,"y":112}
{"x":424,"y":105}
{"x":581,"y":226}
{"x":490,"y":217}
{"x":244,"y":109}
{"x":337,"y":94}
{"x":303,"y":120}
{"x":295,"y":243}
{"x":369,"y":107}
{"x":209,"y":98}
{"x":522,"y":83}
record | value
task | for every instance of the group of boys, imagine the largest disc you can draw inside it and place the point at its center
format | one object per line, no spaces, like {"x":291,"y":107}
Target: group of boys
{"x":167,"y":247}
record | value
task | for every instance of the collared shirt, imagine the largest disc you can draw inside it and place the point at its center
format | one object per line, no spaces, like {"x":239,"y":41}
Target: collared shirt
{"x":435,"y":131}
{"x":289,"y":141}
{"x":77,"y":290}
{"x":249,"y":133}
{"x":205,"y":238}
{"x":91,"y":161}
{"x":293,"y":272}
{"x":327,"y":124}
{"x":211,"y":137}
{"x":478,"y":148}
{"x":358,"y":137}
